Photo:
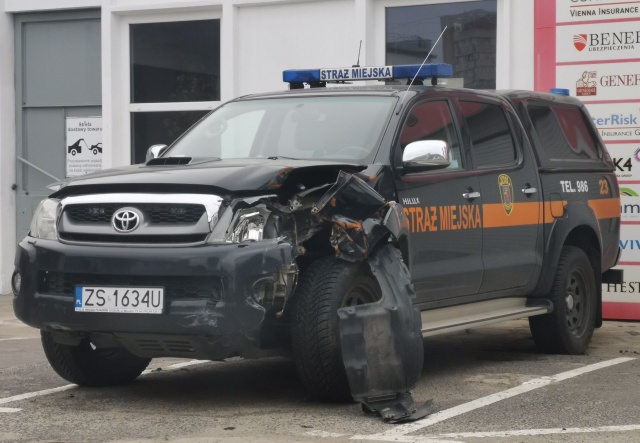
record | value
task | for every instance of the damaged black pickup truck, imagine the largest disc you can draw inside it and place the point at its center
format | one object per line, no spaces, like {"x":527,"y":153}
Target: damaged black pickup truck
{"x":338,"y":225}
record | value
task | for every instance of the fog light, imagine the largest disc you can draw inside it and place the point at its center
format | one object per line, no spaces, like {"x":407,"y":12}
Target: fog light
{"x":16,"y":282}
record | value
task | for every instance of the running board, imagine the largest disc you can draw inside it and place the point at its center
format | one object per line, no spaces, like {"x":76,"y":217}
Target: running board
{"x":457,"y":318}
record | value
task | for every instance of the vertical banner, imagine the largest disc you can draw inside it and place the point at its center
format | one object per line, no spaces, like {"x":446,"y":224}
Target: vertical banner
{"x":84,"y":145}
{"x":592,"y":48}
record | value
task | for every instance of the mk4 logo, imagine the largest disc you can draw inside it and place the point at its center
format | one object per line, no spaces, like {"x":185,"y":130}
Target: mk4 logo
{"x":620,"y":166}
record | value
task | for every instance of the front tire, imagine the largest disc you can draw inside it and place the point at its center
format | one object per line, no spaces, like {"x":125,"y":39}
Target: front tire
{"x":325,"y":286}
{"x":569,"y":328}
{"x":88,"y":366}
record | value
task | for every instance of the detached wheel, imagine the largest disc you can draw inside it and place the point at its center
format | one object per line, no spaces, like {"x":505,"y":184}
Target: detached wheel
{"x":568,"y":329}
{"x":325,"y":286}
{"x":86,"y":366}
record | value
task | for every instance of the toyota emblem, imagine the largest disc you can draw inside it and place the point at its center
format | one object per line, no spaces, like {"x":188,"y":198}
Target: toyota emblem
{"x":125,"y":220}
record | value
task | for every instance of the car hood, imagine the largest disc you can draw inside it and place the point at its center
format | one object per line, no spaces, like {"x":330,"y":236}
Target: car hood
{"x":235,"y":175}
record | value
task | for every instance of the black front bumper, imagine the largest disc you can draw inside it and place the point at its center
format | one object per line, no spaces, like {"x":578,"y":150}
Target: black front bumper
{"x":212,"y":302}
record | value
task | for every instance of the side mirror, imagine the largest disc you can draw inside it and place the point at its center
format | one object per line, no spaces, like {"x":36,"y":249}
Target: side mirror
{"x":154,"y":152}
{"x":424,"y":155}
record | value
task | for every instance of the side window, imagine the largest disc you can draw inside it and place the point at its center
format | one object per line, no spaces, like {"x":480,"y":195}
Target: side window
{"x":563,"y":133}
{"x":491,"y":138}
{"x":432,"y":121}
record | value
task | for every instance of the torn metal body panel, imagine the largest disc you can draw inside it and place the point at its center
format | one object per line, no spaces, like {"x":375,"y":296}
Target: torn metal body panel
{"x":361,"y":217}
{"x":382,"y":345}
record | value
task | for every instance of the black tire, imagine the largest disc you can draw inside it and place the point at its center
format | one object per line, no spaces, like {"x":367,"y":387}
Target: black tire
{"x":568,"y":329}
{"x":325,"y":286}
{"x":86,"y":366}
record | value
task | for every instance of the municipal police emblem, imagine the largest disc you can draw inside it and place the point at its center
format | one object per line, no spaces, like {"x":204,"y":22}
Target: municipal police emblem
{"x":506,"y":192}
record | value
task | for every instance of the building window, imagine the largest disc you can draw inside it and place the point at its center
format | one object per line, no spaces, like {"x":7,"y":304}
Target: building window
{"x":469,"y":44}
{"x":172,"y":65}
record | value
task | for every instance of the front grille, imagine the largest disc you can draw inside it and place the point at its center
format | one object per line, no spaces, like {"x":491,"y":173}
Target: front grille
{"x":155,"y":213}
{"x":133,"y":239}
{"x":59,"y":283}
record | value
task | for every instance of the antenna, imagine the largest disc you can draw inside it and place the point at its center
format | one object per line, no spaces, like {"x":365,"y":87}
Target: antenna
{"x":357,"y":65}
{"x":423,"y":62}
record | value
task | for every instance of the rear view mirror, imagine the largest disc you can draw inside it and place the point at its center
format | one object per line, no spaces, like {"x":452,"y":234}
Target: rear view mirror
{"x":424,"y":155}
{"x":154,"y":152}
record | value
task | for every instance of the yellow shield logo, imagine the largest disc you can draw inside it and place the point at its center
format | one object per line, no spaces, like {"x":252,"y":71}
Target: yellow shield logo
{"x":506,"y":192}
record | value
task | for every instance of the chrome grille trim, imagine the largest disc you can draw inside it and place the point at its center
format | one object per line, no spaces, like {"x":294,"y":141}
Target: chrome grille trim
{"x":169,"y":231}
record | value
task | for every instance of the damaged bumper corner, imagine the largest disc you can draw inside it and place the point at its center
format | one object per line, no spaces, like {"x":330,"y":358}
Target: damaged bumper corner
{"x":382,"y":345}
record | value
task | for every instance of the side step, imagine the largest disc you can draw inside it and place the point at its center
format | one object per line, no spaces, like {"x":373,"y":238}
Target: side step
{"x":457,"y":318}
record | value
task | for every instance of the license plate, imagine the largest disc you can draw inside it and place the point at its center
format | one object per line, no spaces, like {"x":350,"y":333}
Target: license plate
{"x":119,"y":299}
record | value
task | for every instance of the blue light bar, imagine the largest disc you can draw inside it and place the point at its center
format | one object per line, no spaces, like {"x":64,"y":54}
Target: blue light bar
{"x":428,"y":70}
{"x":560,"y":91}
{"x":301,"y":76}
{"x":355,"y":73}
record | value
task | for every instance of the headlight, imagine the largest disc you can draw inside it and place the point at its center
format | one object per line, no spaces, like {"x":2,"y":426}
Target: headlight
{"x":242,"y":223}
{"x":249,"y":226}
{"x":43,"y":224}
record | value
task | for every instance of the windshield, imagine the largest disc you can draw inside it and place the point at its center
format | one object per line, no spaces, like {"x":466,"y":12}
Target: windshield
{"x":343,"y":128}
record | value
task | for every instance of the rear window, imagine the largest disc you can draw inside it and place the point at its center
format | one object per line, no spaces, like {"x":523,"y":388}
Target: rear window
{"x":563,"y":133}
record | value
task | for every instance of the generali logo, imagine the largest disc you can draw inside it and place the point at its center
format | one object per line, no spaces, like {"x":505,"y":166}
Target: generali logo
{"x":587,"y":84}
{"x":580,"y":41}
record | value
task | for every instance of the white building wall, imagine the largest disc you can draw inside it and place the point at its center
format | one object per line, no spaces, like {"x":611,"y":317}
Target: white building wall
{"x":289,"y":36}
{"x":259,"y":39}
{"x":7,"y":151}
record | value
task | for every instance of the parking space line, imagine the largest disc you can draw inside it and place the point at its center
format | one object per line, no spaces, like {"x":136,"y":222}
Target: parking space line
{"x":400,"y":431}
{"x":18,"y":338}
{"x":71,"y":386}
{"x":32,"y":395}
{"x":523,"y":432}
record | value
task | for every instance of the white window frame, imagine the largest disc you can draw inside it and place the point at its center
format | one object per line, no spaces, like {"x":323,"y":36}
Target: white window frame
{"x":503,"y":31}
{"x":123,"y":82}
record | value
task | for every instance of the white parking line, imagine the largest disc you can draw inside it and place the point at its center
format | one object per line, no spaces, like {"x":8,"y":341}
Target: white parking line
{"x":540,"y":432}
{"x":67,"y":387}
{"x":18,"y":338}
{"x":398,"y":433}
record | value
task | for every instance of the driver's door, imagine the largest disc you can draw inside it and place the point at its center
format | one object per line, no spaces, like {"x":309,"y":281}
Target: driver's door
{"x":444,"y":210}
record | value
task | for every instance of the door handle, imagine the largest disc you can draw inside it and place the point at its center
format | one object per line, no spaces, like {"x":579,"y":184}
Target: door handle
{"x":471,"y":195}
{"x":529,"y":191}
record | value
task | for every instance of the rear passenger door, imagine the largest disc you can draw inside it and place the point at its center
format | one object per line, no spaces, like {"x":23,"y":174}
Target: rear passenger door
{"x":511,"y":195}
{"x":442,"y":208}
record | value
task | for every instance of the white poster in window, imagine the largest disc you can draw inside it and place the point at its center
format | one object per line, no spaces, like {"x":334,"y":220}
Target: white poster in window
{"x":84,"y":145}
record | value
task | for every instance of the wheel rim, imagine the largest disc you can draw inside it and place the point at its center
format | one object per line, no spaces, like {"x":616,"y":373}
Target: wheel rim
{"x":576,"y":302}
{"x":360,"y":294}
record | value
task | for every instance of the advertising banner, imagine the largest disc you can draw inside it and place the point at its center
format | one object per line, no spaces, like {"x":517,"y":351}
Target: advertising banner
{"x":592,"y":48}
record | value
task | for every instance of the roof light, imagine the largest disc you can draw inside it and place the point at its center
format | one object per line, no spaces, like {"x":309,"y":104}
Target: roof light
{"x":356,"y":73}
{"x":560,"y":91}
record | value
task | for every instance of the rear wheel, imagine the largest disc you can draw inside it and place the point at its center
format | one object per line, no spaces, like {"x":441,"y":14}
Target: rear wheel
{"x":325,"y":286}
{"x":568,"y":329}
{"x":85,"y":365}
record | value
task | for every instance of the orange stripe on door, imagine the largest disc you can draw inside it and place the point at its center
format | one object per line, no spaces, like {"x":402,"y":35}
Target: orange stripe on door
{"x":606,"y":207}
{"x":524,"y":213}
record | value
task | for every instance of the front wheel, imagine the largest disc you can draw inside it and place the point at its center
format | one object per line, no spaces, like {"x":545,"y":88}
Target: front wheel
{"x":325,"y":286}
{"x":568,"y":329}
{"x":85,"y":365}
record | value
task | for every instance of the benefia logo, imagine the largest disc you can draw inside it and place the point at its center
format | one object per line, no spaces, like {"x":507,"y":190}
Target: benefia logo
{"x":580,"y":41}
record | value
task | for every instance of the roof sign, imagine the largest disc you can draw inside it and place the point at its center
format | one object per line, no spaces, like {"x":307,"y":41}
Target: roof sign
{"x":356,"y":73}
